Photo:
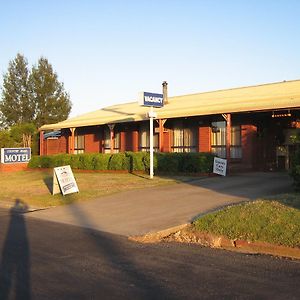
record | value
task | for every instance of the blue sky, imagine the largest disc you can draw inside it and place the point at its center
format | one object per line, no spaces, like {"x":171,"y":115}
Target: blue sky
{"x":105,"y":52}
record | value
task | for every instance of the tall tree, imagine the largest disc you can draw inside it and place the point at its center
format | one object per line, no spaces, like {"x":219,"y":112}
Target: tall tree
{"x":16,"y":106}
{"x":22,"y":134}
{"x":52,"y":103}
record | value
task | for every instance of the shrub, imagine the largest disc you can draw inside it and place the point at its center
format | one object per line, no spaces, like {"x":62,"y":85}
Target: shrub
{"x":86,"y":161}
{"x":295,"y":169}
{"x":119,"y":161}
{"x":131,"y":161}
{"x":146,"y":161}
{"x":167,"y":162}
{"x":185,"y":162}
{"x":101,"y":161}
{"x":205,"y":161}
{"x":47,"y":162}
{"x":35,"y":162}
{"x":138,"y":161}
{"x":62,"y":159}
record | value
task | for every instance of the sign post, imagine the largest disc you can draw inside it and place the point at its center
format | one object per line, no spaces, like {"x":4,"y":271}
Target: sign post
{"x":151,"y":100}
{"x":151,"y":116}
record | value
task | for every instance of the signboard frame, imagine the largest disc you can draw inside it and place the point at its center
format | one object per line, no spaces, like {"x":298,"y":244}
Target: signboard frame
{"x":151,"y":99}
{"x":220,"y":166}
{"x":64,"y":181}
{"x":18,"y":155}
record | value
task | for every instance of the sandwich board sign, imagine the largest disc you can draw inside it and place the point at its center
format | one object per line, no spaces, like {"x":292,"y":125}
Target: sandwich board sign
{"x":64,"y":181}
{"x":220,"y":166}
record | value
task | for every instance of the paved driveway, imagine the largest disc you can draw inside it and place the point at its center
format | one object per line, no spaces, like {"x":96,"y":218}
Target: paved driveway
{"x":141,"y":211}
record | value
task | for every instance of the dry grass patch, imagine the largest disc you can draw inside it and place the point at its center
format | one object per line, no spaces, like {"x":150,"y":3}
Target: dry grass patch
{"x":34,"y":187}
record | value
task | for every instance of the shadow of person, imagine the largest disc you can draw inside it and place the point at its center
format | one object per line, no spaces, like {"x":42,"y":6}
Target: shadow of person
{"x":15,"y":260}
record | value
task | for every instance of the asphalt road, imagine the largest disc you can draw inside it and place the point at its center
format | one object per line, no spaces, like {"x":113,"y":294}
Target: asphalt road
{"x":47,"y":260}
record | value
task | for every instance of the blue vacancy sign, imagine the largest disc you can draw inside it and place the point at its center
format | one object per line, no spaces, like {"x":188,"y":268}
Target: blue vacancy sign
{"x":15,"y":155}
{"x":151,"y":99}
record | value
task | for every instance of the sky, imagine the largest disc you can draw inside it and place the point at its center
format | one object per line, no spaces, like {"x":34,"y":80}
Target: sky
{"x":106,"y":52}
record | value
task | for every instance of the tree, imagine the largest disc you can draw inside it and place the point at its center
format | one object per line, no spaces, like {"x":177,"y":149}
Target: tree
{"x":52,"y":103}
{"x":5,"y":139}
{"x":16,"y":105}
{"x":22,"y":134}
{"x":35,"y":96}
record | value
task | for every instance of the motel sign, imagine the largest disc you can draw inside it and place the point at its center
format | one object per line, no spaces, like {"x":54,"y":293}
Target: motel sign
{"x":15,"y":155}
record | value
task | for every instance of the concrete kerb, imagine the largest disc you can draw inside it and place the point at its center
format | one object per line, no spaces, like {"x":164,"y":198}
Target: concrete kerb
{"x":154,"y":237}
{"x":184,"y":234}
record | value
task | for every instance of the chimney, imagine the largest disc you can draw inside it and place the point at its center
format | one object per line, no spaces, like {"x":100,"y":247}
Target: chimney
{"x":165,"y":92}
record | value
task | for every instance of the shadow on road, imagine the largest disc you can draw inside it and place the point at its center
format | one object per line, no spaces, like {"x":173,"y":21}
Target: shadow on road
{"x":127,"y":271}
{"x":15,"y":259}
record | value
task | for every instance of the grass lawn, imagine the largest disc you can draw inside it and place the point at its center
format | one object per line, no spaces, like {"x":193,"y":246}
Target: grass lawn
{"x":34,"y":187}
{"x":275,"y":220}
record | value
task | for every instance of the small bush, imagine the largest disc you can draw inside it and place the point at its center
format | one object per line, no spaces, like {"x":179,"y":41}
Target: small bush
{"x":47,"y":162}
{"x":119,"y":161}
{"x":167,"y":162}
{"x":86,"y":161}
{"x":130,"y":161}
{"x":136,"y":160}
{"x":75,"y":161}
{"x":35,"y":162}
{"x":101,"y":161}
{"x":146,"y":161}
{"x":295,"y":169}
{"x":62,"y":159}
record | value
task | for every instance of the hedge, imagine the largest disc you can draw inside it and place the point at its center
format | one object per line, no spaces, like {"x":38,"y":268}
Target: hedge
{"x":295,"y":169}
{"x":131,"y":161}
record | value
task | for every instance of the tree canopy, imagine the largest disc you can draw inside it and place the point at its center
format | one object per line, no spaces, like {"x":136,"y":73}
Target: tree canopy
{"x":16,"y":106}
{"x":32,"y":96}
{"x":52,"y":103}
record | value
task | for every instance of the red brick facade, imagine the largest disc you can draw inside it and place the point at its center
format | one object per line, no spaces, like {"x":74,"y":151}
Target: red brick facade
{"x":260,"y":135}
{"x":204,"y":139}
{"x":13,"y":167}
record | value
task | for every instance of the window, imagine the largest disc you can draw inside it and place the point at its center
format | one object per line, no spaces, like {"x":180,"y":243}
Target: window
{"x":144,"y":138}
{"x":218,"y":140}
{"x":184,"y":138}
{"x":116,"y":141}
{"x":79,"y":144}
{"x":236,"y":142}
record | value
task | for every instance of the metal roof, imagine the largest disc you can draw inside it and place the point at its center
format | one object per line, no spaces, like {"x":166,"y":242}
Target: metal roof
{"x":273,"y":96}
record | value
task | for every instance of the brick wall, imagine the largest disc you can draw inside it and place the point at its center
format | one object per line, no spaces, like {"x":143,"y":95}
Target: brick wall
{"x":248,"y":135}
{"x":167,"y":141}
{"x":123,"y":141}
{"x":92,"y":142}
{"x":55,"y":146}
{"x":135,"y":141}
{"x":204,"y":139}
{"x":13,"y":167}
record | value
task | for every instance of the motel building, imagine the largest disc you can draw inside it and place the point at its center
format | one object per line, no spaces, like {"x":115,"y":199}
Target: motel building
{"x":252,"y":127}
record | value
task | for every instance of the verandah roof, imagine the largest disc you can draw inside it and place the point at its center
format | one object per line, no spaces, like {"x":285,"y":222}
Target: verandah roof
{"x":274,"y":96}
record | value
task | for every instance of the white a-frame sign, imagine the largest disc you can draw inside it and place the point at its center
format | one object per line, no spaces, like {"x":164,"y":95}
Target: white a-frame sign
{"x":64,"y":181}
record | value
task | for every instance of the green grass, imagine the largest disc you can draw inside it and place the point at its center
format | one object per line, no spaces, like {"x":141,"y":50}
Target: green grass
{"x":275,"y":220}
{"x":33,"y":188}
